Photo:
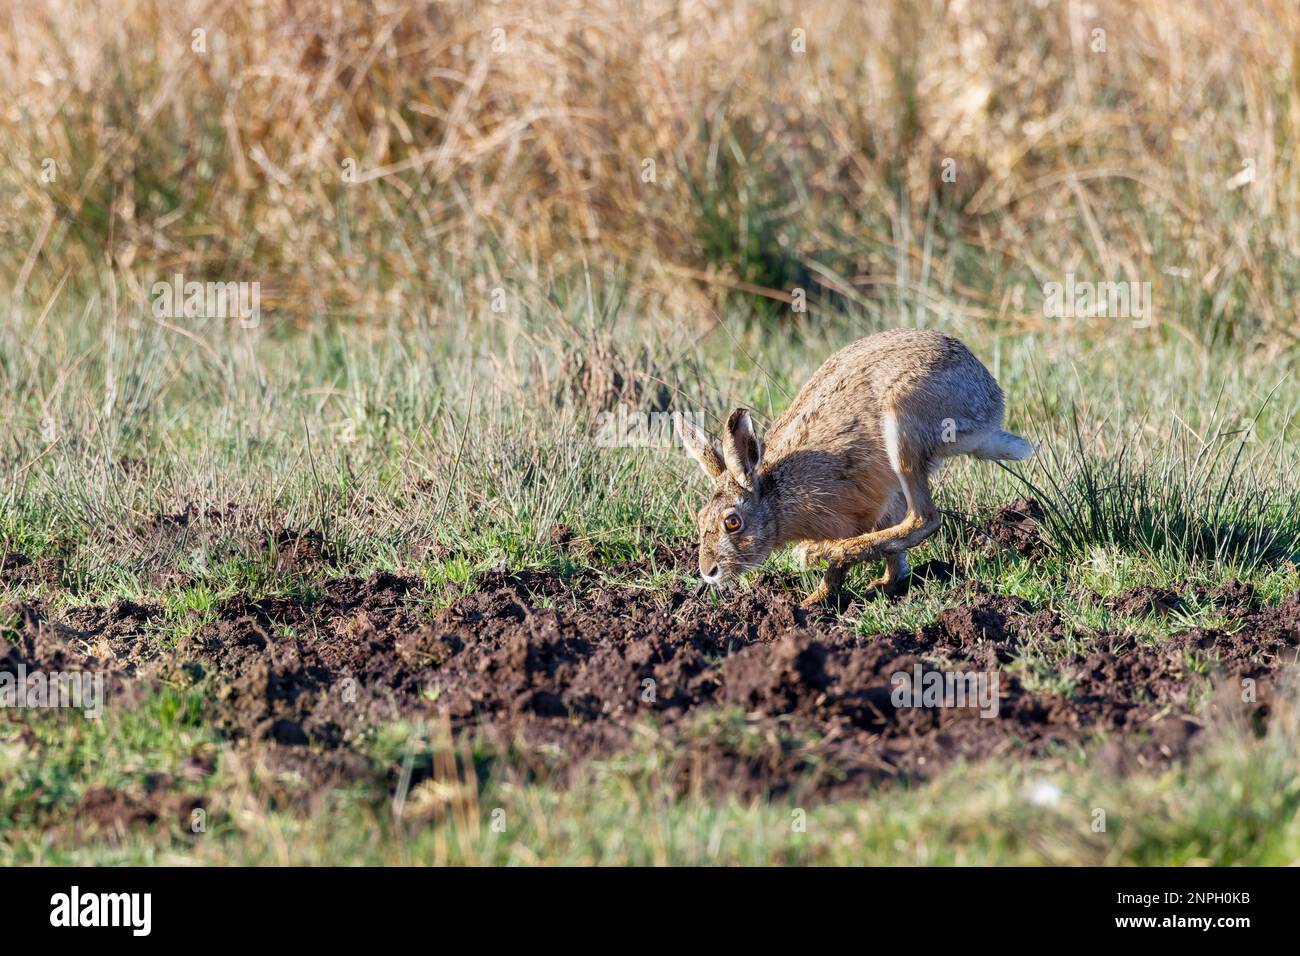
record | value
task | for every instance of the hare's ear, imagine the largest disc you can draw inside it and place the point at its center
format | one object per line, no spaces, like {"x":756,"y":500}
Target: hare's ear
{"x":699,"y":447}
{"x":741,"y":449}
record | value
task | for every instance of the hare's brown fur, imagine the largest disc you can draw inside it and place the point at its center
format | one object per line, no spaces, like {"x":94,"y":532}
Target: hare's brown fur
{"x":844,"y":472}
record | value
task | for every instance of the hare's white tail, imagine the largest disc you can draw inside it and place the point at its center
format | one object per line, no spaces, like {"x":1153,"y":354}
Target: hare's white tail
{"x":1003,"y":446}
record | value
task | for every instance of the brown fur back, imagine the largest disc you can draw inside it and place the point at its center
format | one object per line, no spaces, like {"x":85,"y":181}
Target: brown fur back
{"x":827,"y":455}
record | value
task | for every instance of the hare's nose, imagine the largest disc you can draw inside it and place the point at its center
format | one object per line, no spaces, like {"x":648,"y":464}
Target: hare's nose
{"x":710,"y":574}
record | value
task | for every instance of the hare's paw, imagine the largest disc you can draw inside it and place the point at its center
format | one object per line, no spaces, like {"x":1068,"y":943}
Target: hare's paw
{"x":820,"y":596}
{"x":829,"y":594}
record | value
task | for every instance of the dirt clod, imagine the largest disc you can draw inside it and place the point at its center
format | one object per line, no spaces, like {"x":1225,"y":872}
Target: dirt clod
{"x":1016,"y":527}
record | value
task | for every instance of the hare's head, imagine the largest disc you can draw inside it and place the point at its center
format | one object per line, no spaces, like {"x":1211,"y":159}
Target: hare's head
{"x":738,"y":525}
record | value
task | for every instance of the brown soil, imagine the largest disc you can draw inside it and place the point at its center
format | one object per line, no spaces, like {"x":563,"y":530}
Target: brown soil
{"x":1015,"y":527}
{"x":18,"y":570}
{"x":102,"y":810}
{"x":1145,"y":599}
{"x":750,"y":693}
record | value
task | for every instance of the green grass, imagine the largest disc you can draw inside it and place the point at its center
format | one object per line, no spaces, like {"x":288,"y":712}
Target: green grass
{"x":402,"y":456}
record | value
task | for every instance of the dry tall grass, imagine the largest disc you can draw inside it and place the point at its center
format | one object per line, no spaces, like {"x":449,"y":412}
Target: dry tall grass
{"x":392,"y":157}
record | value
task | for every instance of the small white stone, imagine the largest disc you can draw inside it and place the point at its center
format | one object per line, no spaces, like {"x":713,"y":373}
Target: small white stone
{"x":1043,"y":793}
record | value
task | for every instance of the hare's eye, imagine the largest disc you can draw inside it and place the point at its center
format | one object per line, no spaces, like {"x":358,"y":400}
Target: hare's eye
{"x":732,"y":523}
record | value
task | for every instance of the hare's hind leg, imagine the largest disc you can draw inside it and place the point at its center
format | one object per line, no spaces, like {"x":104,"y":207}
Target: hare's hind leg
{"x":894,"y":582}
{"x":919,"y":522}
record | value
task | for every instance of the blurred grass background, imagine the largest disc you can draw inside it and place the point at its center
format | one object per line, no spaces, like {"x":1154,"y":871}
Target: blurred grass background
{"x":404,"y":159}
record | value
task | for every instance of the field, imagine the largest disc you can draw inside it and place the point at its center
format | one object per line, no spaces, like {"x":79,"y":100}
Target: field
{"x":399,"y":567}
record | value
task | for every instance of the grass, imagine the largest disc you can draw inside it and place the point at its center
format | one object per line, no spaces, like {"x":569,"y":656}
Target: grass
{"x":1237,"y":804}
{"x":429,"y":458}
{"x":370,"y":166}
{"x":419,"y":484}
{"x":442,"y":330}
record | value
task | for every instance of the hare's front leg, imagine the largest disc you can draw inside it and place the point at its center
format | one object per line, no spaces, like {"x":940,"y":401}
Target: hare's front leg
{"x":829,"y":588}
{"x":832,"y":581}
{"x":894,"y":582}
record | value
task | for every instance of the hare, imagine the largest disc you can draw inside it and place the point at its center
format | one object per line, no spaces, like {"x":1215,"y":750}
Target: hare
{"x":845,"y":472}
